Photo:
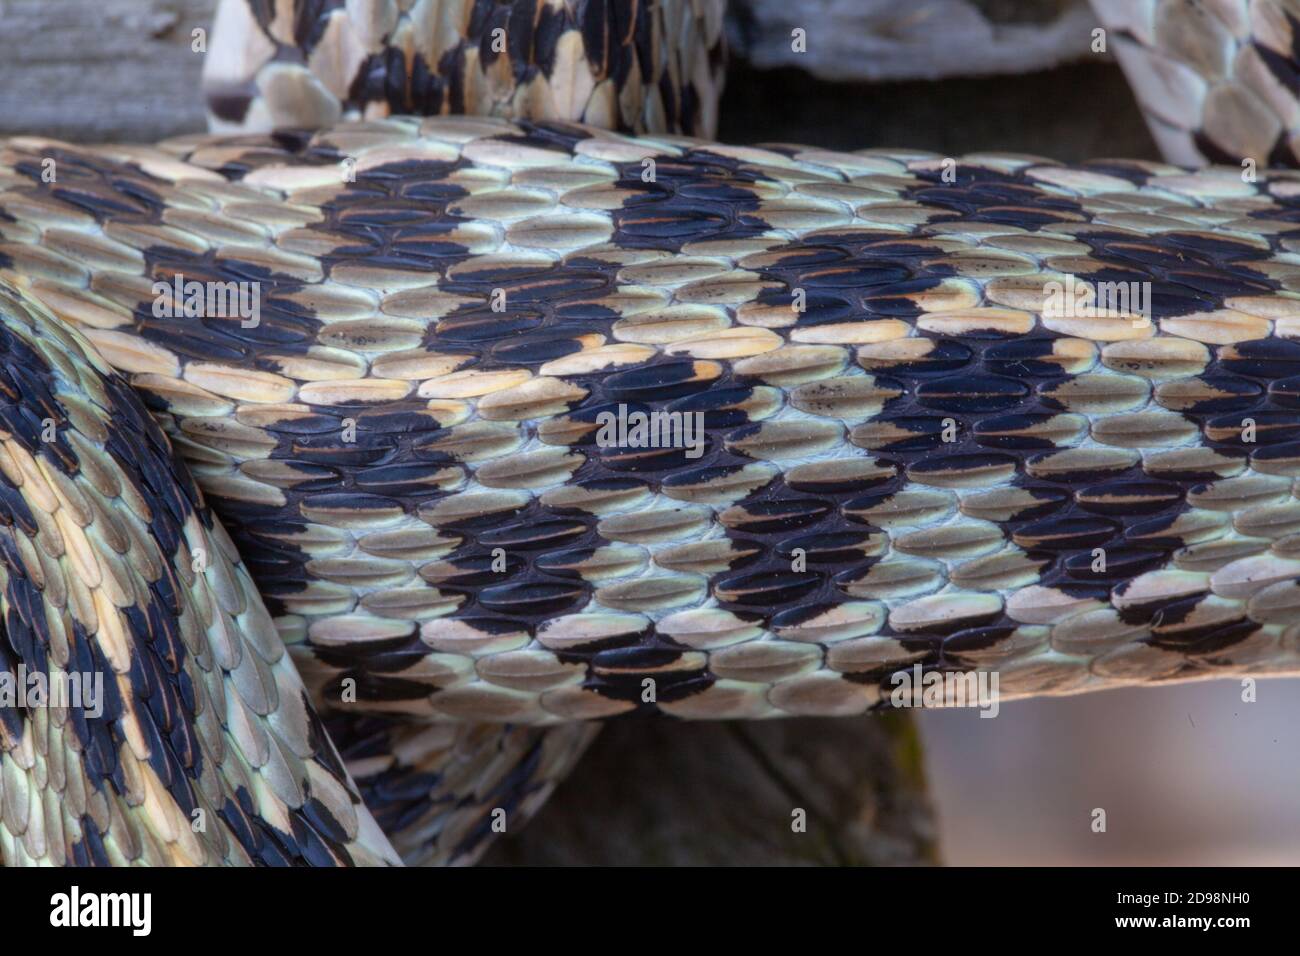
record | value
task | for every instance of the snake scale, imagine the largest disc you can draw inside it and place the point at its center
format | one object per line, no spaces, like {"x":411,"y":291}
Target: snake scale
{"x":925,"y":440}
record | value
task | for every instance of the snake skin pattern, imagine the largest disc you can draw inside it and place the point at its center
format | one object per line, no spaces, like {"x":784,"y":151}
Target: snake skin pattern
{"x":473,"y":553}
{"x":911,"y":456}
{"x":632,"y":65}
{"x":642,"y":66}
{"x":199,"y":746}
{"x":1217,"y":79}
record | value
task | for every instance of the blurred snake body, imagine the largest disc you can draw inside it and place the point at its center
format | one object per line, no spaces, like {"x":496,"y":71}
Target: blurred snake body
{"x":928,"y":442}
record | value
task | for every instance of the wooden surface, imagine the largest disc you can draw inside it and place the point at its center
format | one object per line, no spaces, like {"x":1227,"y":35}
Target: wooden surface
{"x":912,"y":39}
{"x":664,"y":793}
{"x":101,"y":70}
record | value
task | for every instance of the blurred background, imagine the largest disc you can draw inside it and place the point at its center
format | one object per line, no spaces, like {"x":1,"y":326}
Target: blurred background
{"x":1187,"y":774}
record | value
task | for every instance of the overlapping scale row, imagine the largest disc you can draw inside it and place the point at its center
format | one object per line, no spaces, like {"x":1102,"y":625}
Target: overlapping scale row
{"x":1216,"y":81}
{"x":149,"y":713}
{"x":924,"y":441}
{"x":632,"y":65}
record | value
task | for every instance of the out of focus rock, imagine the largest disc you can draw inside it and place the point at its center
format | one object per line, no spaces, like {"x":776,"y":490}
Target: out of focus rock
{"x":916,"y":39}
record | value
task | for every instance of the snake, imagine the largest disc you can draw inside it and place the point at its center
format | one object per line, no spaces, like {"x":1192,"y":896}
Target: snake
{"x":928,"y":439}
{"x":201,"y":746}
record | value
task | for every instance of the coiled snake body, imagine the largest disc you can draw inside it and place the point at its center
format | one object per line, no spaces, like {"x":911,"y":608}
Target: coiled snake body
{"x":927,"y":441}
{"x":200,"y":745}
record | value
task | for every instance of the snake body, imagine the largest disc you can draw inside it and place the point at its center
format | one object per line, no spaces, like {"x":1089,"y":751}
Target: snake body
{"x":476,"y":429}
{"x":200,"y":746}
{"x":632,"y":65}
{"x":1217,"y":81}
{"x":915,"y":453}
